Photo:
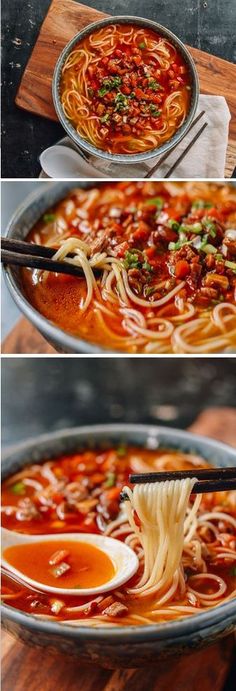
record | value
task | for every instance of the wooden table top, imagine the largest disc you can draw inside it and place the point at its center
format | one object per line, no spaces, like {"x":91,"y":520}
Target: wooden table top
{"x":63,"y":20}
{"x":24,"y":338}
{"x":40,"y":670}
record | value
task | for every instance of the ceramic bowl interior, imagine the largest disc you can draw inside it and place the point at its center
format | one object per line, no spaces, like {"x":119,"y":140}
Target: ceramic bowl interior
{"x":123,"y":646}
{"x":125,"y":158}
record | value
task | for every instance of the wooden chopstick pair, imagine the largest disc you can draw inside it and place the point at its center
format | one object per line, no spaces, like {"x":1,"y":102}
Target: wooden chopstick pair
{"x":20,"y":253}
{"x":184,"y":152}
{"x":210,"y":479}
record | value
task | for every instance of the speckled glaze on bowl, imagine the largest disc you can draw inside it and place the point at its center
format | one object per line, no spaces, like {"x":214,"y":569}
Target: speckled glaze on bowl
{"x":113,"y":647}
{"x":125,"y":158}
{"x":24,"y":218}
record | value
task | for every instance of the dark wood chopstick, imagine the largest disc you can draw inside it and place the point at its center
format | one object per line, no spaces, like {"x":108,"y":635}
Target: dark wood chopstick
{"x":19,"y":253}
{"x":24,"y":247}
{"x":209,"y":480}
{"x":204,"y":487}
{"x":168,"y":153}
{"x":200,"y":473}
{"x":186,"y":150}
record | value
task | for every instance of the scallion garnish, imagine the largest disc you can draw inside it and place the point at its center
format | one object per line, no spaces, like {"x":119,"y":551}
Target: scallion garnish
{"x":121,"y":451}
{"x":209,"y":226}
{"x":109,"y":84}
{"x":49,"y":218}
{"x":174,"y":225}
{"x":153,"y":84}
{"x":147,"y":266}
{"x":103,"y":91}
{"x":230,"y":265}
{"x":105,"y":118}
{"x":201,"y":204}
{"x":209,"y":249}
{"x":132,"y":260}
{"x":153,"y":110}
{"x":156,"y":201}
{"x":121,"y":101}
{"x":18,"y":488}
{"x":110,"y":480}
{"x":194,"y":228}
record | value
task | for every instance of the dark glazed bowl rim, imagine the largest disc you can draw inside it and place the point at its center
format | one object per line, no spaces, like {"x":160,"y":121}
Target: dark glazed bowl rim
{"x":90,"y":148}
{"x":177,"y":629}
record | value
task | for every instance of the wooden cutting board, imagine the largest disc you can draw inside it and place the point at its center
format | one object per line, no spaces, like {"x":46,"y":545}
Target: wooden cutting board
{"x":27,"y":668}
{"x":63,"y":20}
{"x":24,"y":338}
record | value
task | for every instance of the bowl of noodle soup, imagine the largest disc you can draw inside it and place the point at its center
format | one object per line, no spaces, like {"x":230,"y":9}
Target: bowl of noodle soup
{"x":135,"y":632}
{"x":166,"y":252}
{"x":125,"y":89}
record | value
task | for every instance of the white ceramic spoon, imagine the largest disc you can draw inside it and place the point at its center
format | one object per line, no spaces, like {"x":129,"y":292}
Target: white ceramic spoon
{"x":124,"y":559}
{"x":61,"y":161}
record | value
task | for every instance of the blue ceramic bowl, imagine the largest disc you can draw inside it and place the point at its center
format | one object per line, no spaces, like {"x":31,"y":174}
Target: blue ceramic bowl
{"x":71,"y":131}
{"x":124,"y":646}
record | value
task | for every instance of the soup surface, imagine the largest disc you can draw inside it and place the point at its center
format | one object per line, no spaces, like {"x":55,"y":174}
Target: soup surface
{"x":62,"y":564}
{"x":80,"y":493}
{"x":125,"y":89}
{"x":167,"y":255}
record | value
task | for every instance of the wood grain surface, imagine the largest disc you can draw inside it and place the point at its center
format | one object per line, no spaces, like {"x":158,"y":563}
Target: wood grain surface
{"x":63,"y":20}
{"x":24,"y":338}
{"x":27,"y":668}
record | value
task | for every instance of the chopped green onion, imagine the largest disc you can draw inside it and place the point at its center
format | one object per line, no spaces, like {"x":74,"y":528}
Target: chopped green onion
{"x":201,"y":204}
{"x":210,"y":226}
{"x":121,"y":451}
{"x":18,"y":488}
{"x":173,"y":246}
{"x":110,"y":481}
{"x":121,"y":101}
{"x":153,"y":84}
{"x":103,"y":91}
{"x":132,"y":260}
{"x":194,"y":228}
{"x":149,"y":290}
{"x":233,"y":571}
{"x":154,"y":110}
{"x":108,"y":85}
{"x":219,"y":257}
{"x":156,"y":201}
{"x":203,"y":243}
{"x":48,"y":218}
{"x":105,"y":117}
{"x":180,"y":243}
{"x":174,"y":225}
{"x":230,"y":265}
{"x":112,"y":83}
{"x":147,"y":266}
{"x":209,"y":249}
{"x":142,"y":45}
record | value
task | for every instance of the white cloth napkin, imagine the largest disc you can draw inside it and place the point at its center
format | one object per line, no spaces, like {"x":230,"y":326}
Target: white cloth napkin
{"x":206,"y":159}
